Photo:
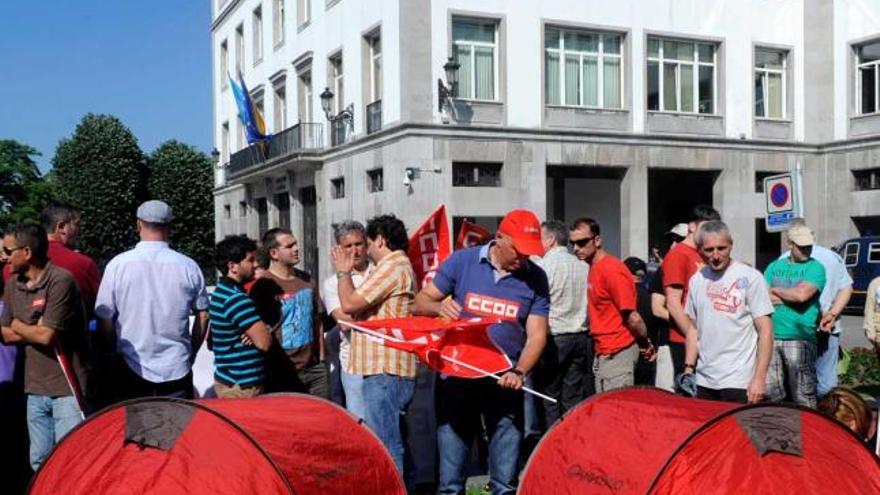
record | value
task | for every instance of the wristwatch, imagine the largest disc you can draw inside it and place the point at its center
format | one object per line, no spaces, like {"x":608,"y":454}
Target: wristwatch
{"x":341,"y":274}
{"x":516,"y":372}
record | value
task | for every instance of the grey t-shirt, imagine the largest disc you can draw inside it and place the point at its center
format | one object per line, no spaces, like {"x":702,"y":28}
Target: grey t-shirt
{"x":724,"y":307}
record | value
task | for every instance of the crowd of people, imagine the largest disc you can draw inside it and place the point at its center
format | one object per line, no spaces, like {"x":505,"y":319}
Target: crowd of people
{"x":575,"y":320}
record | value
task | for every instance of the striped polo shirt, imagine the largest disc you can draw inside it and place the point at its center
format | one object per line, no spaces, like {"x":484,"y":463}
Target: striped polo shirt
{"x":232,"y":312}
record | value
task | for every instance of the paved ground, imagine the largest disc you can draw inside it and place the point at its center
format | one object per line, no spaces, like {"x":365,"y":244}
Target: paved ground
{"x":851,"y":334}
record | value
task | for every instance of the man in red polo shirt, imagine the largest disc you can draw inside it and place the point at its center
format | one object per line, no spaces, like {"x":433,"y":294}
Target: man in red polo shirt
{"x":618,"y":332}
{"x":679,"y":265}
{"x":61,"y":222}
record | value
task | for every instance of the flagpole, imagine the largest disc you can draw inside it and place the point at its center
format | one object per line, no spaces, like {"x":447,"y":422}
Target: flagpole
{"x":70,"y":376}
{"x":447,"y":358}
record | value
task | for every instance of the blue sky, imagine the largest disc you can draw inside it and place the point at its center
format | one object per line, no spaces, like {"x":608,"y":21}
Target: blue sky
{"x":146,"y":62}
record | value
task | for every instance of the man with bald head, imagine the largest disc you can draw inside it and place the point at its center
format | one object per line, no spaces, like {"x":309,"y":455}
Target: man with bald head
{"x":729,"y":339}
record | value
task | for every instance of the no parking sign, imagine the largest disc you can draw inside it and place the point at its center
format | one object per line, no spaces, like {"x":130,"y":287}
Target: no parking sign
{"x":782,"y":197}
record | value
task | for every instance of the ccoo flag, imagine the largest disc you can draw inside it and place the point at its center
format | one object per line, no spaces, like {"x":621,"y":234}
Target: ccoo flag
{"x":429,"y":246}
{"x":460,"y":348}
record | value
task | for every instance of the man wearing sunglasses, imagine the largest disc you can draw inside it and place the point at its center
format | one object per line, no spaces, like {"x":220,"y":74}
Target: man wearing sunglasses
{"x":619,"y":333}
{"x":43,"y":310}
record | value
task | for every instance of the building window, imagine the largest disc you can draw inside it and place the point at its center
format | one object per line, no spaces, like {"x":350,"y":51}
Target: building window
{"x":759,"y":180}
{"x":240,"y":137}
{"x":770,"y":80}
{"x":374,"y":180}
{"x":224,"y":65}
{"x":259,"y":105}
{"x":258,"y":35}
{"x":867,"y":179}
{"x":336,"y":83}
{"x":582,"y":69}
{"x":469,"y":174}
{"x":227,"y":211}
{"x":868,"y":78}
{"x":262,"y":215}
{"x":282,"y":203}
{"x":681,"y":76}
{"x":279,"y":108}
{"x":851,"y":254}
{"x":277,"y":22}
{"x":337,"y":188}
{"x":375,"y":44}
{"x":242,"y":209}
{"x":239,"y":48}
{"x":303,"y":12}
{"x":305,"y":95}
{"x":475,"y":48}
{"x":874,"y":252}
{"x":224,"y":142}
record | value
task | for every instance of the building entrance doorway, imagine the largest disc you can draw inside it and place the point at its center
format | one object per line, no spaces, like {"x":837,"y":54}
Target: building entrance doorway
{"x":671,"y":196}
{"x":581,"y":191}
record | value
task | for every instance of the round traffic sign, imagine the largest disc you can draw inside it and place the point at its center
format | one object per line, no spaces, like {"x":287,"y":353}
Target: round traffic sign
{"x":779,"y":195}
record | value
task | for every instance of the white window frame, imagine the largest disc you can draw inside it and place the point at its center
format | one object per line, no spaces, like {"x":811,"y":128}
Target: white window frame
{"x":277,"y":23}
{"x":374,"y":74}
{"x":482,"y":44}
{"x":257,"y":29}
{"x":859,"y":66}
{"x":224,"y":64}
{"x":239,"y":48}
{"x":304,"y":82}
{"x":600,"y":55}
{"x":765,"y":73}
{"x":846,"y":253}
{"x":337,"y":82}
{"x":279,"y":106}
{"x":304,"y":12}
{"x":873,"y":247}
{"x":224,"y":142}
{"x":696,"y":63}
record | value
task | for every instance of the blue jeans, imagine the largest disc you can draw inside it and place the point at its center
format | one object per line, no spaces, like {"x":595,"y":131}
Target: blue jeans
{"x":460,"y":402}
{"x":385,"y":399}
{"x":826,"y":363}
{"x":354,"y":394}
{"x":49,"y":419}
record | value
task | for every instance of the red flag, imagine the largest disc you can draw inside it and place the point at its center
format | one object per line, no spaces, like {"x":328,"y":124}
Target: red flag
{"x":471,"y":234}
{"x":459,"y":348}
{"x":429,"y":246}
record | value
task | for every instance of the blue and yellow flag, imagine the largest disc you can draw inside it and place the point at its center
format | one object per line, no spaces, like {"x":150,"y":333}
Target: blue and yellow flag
{"x":254,"y":124}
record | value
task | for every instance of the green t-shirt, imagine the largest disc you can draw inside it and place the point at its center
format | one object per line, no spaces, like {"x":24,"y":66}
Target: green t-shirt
{"x":796,"y":321}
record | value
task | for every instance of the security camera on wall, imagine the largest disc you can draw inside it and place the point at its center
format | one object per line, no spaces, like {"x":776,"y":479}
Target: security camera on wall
{"x":408,"y":177}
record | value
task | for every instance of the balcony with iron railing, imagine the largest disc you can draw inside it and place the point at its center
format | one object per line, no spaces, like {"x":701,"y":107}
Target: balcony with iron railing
{"x":374,"y":116}
{"x":305,"y":136}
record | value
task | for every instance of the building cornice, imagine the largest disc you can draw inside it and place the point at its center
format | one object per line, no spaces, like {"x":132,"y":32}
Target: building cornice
{"x":228,"y":9}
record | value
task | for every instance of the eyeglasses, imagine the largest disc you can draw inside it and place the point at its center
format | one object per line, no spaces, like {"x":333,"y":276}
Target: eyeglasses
{"x":580,"y":242}
{"x":8,"y":252}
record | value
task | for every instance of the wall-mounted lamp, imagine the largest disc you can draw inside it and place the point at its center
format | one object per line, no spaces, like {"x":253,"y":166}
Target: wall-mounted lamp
{"x":451,"y":91}
{"x":412,"y":173}
{"x":346,"y":115}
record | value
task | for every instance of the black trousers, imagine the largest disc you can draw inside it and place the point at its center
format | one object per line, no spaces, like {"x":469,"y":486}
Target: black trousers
{"x":724,"y":394}
{"x":563,"y":372}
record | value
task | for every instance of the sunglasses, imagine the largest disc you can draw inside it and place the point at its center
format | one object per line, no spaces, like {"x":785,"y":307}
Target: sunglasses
{"x":580,"y":242}
{"x":8,"y":252}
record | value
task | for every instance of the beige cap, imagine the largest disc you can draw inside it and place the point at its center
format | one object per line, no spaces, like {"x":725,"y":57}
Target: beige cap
{"x":680,"y":230}
{"x":800,"y":235}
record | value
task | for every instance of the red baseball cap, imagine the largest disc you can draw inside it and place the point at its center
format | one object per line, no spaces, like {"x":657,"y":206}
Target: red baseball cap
{"x":524,"y":229}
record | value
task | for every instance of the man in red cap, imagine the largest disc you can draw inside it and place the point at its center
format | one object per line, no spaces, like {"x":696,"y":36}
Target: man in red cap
{"x":617,"y":329}
{"x":495,"y":280}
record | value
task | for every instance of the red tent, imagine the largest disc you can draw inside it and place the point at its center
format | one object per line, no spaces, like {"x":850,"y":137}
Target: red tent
{"x":647,"y":441}
{"x":277,"y":444}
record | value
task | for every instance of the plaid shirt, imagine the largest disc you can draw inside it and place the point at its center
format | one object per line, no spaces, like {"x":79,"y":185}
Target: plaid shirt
{"x":567,"y":276}
{"x":390,"y":291}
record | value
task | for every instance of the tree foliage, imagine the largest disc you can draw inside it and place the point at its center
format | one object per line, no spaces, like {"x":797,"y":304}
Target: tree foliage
{"x":182,"y":176}
{"x":101,"y":171}
{"x":24,"y":192}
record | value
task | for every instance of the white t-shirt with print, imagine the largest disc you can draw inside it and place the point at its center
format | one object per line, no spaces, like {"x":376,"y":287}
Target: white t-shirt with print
{"x":724,"y":307}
